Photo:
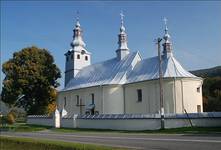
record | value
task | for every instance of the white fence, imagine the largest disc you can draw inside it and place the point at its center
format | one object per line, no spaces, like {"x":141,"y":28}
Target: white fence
{"x":131,"y":121}
{"x":40,"y":120}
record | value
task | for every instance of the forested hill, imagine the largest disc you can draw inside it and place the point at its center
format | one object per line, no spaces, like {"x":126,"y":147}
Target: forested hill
{"x":211,"y":88}
{"x":210,"y":72}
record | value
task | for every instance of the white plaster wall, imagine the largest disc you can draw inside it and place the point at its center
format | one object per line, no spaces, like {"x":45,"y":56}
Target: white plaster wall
{"x":84,"y":95}
{"x":67,"y":123}
{"x":107,"y":99}
{"x":176,"y":123}
{"x":179,"y":94}
{"x":120,"y":124}
{"x":206,"y":122}
{"x":113,"y":100}
{"x":80,"y":63}
{"x":127,"y":124}
{"x":41,"y":121}
{"x":191,"y":97}
{"x":150,"y":97}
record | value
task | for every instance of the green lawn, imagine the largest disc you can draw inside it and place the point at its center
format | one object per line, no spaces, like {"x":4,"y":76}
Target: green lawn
{"x":184,"y":130}
{"x":23,"y":127}
{"x":9,"y":143}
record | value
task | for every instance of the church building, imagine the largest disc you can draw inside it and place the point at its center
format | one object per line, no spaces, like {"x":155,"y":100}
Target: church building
{"x":127,"y":83}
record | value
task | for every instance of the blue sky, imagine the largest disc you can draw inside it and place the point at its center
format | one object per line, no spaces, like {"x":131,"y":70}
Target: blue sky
{"x":195,"y":28}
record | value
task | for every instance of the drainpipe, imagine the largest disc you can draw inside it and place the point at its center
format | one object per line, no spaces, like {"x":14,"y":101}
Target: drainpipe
{"x":175,"y":94}
{"x":124,"y":99}
{"x":102,"y":98}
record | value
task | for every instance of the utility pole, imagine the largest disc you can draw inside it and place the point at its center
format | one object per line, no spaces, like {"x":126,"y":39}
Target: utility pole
{"x":160,"y":83}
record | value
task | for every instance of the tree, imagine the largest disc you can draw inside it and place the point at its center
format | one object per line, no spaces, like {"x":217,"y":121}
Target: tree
{"x":32,"y":73}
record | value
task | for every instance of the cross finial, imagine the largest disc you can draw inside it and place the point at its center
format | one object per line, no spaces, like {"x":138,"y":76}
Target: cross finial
{"x":122,"y":17}
{"x":165,"y":22}
{"x":77,"y":17}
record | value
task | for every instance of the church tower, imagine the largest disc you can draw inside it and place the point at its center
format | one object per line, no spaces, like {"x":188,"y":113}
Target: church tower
{"x":77,"y":57}
{"x":122,"y":50}
{"x":167,"y":45}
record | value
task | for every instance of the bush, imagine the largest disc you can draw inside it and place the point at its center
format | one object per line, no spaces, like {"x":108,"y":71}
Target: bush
{"x":11,"y":118}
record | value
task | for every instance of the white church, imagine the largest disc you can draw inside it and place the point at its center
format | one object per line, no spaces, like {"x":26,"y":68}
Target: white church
{"x":127,"y":83}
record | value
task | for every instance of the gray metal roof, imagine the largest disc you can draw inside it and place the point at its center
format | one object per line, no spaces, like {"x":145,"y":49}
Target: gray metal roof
{"x":148,"y":69}
{"x":128,"y":70}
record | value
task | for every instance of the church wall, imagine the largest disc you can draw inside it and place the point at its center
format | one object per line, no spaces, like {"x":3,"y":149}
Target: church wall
{"x":113,"y":99}
{"x":191,"y":96}
{"x":150,"y":97}
{"x":85,"y":97}
{"x":179,"y":94}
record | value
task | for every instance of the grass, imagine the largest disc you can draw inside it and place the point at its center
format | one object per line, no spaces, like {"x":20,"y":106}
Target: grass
{"x":23,"y":127}
{"x":183,"y":130}
{"x":9,"y":143}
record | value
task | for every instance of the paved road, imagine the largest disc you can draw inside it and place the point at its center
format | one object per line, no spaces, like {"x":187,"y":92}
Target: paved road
{"x":133,"y":141}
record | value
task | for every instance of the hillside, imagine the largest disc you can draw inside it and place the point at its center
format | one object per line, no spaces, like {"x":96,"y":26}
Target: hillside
{"x":210,"y":72}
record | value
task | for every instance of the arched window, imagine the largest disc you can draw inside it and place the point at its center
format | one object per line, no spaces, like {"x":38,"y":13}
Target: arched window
{"x":78,"y":56}
{"x":86,"y":58}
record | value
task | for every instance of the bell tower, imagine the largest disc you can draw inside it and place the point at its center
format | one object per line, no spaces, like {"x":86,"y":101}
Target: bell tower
{"x":122,"y":50}
{"x":77,"y":57}
{"x":167,"y":45}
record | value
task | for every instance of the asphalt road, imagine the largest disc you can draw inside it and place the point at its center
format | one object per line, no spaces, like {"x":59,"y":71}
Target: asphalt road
{"x":133,"y":141}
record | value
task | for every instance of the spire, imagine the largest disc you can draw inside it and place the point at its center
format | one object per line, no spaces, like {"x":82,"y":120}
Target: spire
{"x":167,"y":46}
{"x":122,"y":50}
{"x":77,"y":37}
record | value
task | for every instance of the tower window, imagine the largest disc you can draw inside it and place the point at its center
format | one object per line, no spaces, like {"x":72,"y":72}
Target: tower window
{"x":71,"y":56}
{"x":67,"y":58}
{"x":78,"y":56}
{"x":86,"y":58}
{"x":139,"y":95}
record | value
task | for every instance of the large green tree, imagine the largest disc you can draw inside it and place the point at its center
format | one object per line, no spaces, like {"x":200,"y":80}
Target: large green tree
{"x":31,"y":73}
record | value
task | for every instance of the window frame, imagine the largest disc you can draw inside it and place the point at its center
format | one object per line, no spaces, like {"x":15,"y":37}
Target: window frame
{"x":92,"y":98}
{"x":139,"y":95}
{"x":77,"y":100}
{"x":78,"y":56}
{"x":86,"y":58}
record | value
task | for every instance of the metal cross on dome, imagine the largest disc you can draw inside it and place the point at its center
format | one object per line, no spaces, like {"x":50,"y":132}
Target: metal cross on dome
{"x":122,"y":17}
{"x":77,"y":15}
{"x":165,"y":20}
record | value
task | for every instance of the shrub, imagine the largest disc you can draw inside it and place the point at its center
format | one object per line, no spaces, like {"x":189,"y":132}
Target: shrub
{"x":11,"y":118}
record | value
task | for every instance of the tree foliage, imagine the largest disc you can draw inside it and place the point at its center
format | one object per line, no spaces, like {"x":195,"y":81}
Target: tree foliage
{"x":211,"y":88}
{"x":32,"y":73}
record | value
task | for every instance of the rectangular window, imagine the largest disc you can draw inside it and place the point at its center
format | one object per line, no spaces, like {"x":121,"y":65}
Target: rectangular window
{"x":78,"y":100}
{"x":66,"y":58}
{"x":198,"y":89}
{"x":86,"y":58}
{"x":198,"y":108}
{"x":78,"y":56}
{"x":71,"y":56}
{"x":92,"y":98}
{"x":139,"y":95}
{"x":65,"y":102}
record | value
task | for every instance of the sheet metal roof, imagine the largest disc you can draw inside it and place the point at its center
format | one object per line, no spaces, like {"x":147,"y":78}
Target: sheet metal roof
{"x":148,"y":69}
{"x":116,"y":71}
{"x":111,"y":71}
